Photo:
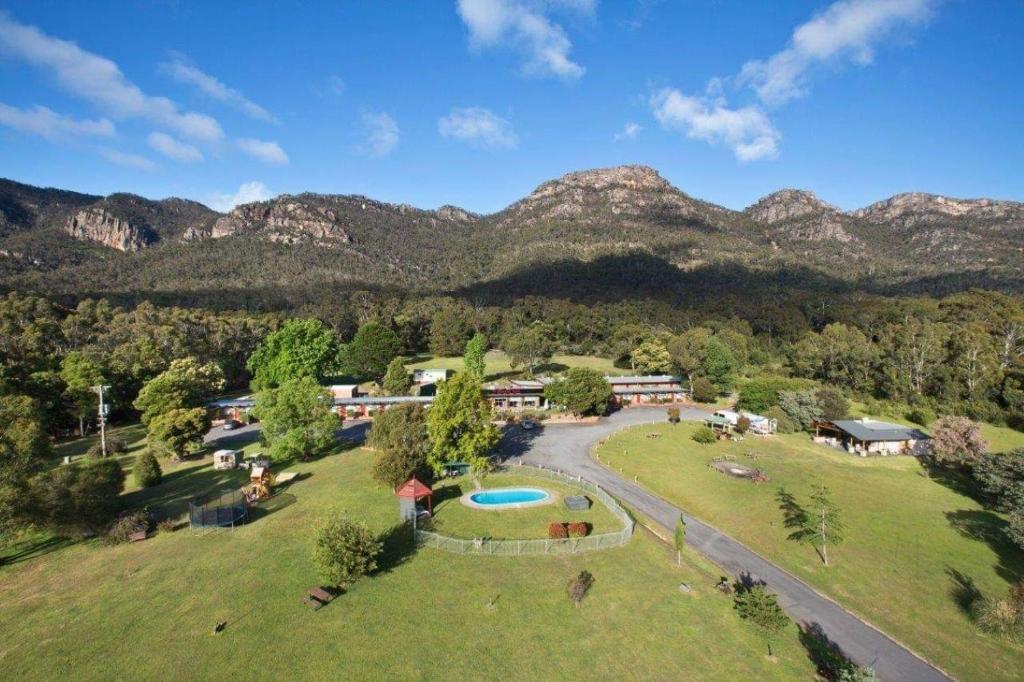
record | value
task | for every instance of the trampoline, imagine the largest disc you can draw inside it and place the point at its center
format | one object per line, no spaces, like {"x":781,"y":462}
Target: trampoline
{"x":224,"y":509}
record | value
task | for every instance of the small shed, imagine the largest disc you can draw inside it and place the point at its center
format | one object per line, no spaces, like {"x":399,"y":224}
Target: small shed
{"x":226,"y":459}
{"x":411,"y":492}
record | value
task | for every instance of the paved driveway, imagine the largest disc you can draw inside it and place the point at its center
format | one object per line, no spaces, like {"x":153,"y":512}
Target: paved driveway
{"x":567,"y":447}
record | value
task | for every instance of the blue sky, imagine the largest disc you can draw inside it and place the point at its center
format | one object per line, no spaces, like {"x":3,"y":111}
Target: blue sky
{"x":475,"y":102}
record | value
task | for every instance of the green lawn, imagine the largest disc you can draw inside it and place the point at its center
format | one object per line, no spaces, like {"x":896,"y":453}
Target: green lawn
{"x":147,"y":610}
{"x":498,"y":367}
{"x":451,"y":517}
{"x":914,"y":544}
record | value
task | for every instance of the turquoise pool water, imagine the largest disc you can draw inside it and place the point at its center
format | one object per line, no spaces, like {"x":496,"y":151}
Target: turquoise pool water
{"x":509,"y":497}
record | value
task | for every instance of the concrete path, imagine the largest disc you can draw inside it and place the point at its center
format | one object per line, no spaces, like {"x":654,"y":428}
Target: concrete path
{"x":567,"y":447}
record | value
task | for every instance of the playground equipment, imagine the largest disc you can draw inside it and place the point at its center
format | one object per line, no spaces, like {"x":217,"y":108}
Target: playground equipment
{"x":224,"y":509}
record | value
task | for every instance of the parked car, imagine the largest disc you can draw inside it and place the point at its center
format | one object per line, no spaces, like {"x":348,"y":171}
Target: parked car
{"x":528,"y":424}
{"x":231,"y":424}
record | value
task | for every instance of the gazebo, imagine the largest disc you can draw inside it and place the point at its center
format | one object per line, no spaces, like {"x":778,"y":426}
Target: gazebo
{"x":411,"y":492}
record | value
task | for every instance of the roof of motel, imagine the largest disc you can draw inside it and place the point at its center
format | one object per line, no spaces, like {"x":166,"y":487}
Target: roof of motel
{"x":644,"y":379}
{"x":870,"y":430}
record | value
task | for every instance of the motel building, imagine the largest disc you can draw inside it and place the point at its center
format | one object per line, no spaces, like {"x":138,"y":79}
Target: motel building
{"x":869,"y":437}
{"x":515,"y":394}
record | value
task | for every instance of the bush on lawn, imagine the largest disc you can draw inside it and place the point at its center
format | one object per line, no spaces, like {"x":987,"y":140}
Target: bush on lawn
{"x":578,"y":529}
{"x":76,"y":499}
{"x":579,"y":586}
{"x":742,"y":425}
{"x":703,"y":390}
{"x":704,"y":435}
{"x":344,"y":550}
{"x":921,"y":415}
{"x":146,"y":470}
{"x":129,"y":523}
{"x":956,"y":442}
{"x":783,"y":423}
{"x":1003,"y":617}
{"x":673,"y":415}
{"x":557,"y":531}
{"x":115,"y":446}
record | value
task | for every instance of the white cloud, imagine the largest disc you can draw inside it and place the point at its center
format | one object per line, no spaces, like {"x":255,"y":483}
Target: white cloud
{"x":128,"y":160}
{"x":49,"y":124}
{"x":628,"y":132}
{"x":100,"y":81}
{"x":382,"y":134}
{"x":270,"y":152}
{"x":525,"y":26}
{"x":175,"y":149}
{"x":845,"y":30}
{"x":478,"y":126}
{"x":747,"y":131}
{"x":183,"y":71}
{"x":246,"y":194}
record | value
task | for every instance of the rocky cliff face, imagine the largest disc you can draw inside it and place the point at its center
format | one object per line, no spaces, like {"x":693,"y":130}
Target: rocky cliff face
{"x":792,"y":215}
{"x":98,"y":225}
{"x":788,"y":204}
{"x":907,"y":210}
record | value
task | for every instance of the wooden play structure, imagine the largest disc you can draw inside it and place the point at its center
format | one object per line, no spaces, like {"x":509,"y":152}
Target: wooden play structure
{"x":260,"y":481}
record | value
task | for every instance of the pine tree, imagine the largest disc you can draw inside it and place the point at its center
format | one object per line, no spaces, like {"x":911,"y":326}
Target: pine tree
{"x":759,"y":607}
{"x":680,"y":538}
{"x":476,"y":348}
{"x":396,"y":379}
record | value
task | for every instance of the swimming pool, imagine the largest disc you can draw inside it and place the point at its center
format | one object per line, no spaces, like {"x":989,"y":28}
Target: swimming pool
{"x":507,"y":498}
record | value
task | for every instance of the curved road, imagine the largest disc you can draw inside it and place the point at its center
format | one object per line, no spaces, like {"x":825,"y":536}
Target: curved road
{"x":567,"y":447}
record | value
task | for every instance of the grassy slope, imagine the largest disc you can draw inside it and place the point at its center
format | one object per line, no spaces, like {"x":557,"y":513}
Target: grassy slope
{"x":451,"y":517}
{"x":95,"y":612}
{"x":911,"y":542}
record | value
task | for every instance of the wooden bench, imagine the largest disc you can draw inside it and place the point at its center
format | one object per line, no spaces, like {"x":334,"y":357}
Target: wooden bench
{"x":317,"y":598}
{"x":137,"y":536}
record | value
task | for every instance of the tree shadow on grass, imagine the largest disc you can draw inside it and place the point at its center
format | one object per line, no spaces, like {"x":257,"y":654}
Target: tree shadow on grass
{"x":960,"y":482}
{"x":171,"y":496}
{"x":270,"y":505}
{"x":988,"y":527}
{"x":516,"y":441}
{"x":31,"y":549}
{"x":398,"y":546}
{"x":551,"y":368}
{"x":964,"y":591}
{"x":826,"y":655}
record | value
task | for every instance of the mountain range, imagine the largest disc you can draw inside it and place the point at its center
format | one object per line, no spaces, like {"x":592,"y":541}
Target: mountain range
{"x":590,"y":224}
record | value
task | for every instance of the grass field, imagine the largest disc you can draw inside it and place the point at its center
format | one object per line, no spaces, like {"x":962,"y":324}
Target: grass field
{"x":916,"y":548}
{"x":453,"y":518}
{"x":147,"y":610}
{"x":498,"y":366}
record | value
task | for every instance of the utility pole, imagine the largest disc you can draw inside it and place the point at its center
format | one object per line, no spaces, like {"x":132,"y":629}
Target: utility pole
{"x":103,"y":411}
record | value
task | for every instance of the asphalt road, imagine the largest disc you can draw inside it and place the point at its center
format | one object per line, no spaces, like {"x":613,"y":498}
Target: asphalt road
{"x":567,"y":447}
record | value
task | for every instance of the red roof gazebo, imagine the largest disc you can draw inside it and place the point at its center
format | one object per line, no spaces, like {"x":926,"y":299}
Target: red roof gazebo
{"x":415,"y":490}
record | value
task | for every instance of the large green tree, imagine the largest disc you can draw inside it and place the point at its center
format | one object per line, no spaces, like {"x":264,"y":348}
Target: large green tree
{"x":651,"y":357}
{"x":371,"y":349}
{"x":474,"y":357}
{"x":582,"y":391}
{"x":300,"y":348}
{"x":24,"y":449}
{"x":530,"y":346}
{"x":399,"y":437}
{"x":80,"y":374}
{"x":179,"y":429}
{"x":396,"y":379}
{"x":297,"y":419}
{"x":459,"y":424}
{"x":687,"y":351}
{"x":759,"y":607}
{"x":187,"y":383}
{"x":719,"y":365}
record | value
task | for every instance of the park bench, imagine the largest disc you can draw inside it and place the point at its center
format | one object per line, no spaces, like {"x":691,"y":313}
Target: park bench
{"x":137,"y":536}
{"x":318,"y":597}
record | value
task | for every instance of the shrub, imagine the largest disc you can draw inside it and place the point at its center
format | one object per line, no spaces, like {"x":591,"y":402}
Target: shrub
{"x":757,"y":395}
{"x":957,"y":442}
{"x":343,"y":550}
{"x":703,"y":390}
{"x":704,"y":435}
{"x":578,"y":529}
{"x":801,"y":407}
{"x":920,"y":415}
{"x":1001,"y":476}
{"x":742,"y":425}
{"x":127,"y":524}
{"x":557,"y":531}
{"x":784,"y":423}
{"x":167,"y":525}
{"x":673,"y":415}
{"x":1004,"y":617}
{"x":832,"y":403}
{"x":146,"y":470}
{"x":579,"y":586}
{"x":77,"y":499}
{"x":117,"y":445}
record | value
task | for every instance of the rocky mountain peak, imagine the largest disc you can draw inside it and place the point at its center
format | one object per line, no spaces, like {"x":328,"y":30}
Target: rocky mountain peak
{"x":97,"y":224}
{"x":787,"y":204}
{"x":633,"y":177}
{"x":911,"y":208}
